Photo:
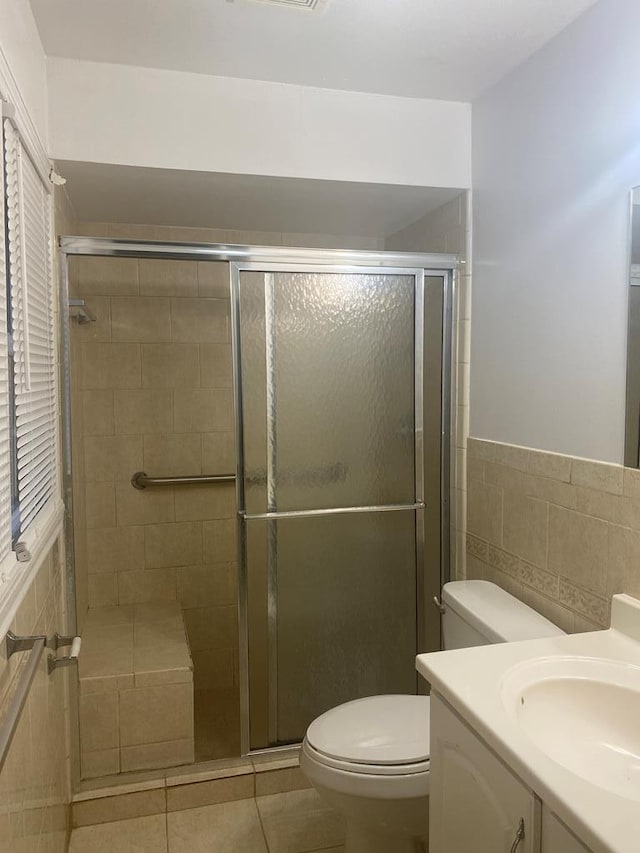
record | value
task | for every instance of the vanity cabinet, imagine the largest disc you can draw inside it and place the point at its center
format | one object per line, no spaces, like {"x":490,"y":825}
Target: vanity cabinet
{"x":477,"y":805}
{"x":556,"y":838}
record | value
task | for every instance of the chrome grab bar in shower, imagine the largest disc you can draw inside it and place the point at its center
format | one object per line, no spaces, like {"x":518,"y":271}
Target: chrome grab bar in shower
{"x":140,"y":480}
{"x":19,"y":698}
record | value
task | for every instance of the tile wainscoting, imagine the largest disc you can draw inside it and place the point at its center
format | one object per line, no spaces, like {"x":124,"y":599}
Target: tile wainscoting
{"x":559,"y":532}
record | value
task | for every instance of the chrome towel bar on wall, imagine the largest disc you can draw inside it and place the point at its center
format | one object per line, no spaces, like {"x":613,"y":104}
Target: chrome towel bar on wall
{"x":140,"y":480}
{"x":35,"y":645}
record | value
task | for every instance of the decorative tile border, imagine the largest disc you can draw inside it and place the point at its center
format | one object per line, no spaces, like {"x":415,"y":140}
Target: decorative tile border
{"x":585,"y":544}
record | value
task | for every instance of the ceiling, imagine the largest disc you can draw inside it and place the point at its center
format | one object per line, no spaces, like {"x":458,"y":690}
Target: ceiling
{"x":132,"y":194}
{"x":452,"y":49}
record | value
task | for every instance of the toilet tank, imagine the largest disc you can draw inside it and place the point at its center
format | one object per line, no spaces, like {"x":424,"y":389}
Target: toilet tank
{"x":478,"y":613}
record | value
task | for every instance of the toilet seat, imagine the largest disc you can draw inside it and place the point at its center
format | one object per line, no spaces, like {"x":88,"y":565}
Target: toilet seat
{"x":378,"y":735}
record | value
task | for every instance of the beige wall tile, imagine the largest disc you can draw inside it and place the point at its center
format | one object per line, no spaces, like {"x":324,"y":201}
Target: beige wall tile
{"x":115,"y":549}
{"x":143,"y":506}
{"x":578,"y":548}
{"x":213,"y":279}
{"x":623,"y":574}
{"x":552,"y":465}
{"x":103,"y":762}
{"x":103,"y":590}
{"x":505,"y":477}
{"x":484,"y":511}
{"x":213,"y":668}
{"x":208,"y":584}
{"x":215,"y":366}
{"x":552,"y":491}
{"x":476,"y":547}
{"x":219,"y":453}
{"x":97,"y":412}
{"x":551,"y":610}
{"x":159,"y":277}
{"x":212,"y":627}
{"x":156,"y":714}
{"x":210,"y":792}
{"x":615,"y":508}
{"x":144,"y":411}
{"x":202,"y":502}
{"x":140,"y":586}
{"x":113,"y":457}
{"x":200,"y":321}
{"x":99,"y":722}
{"x":142,"y":319}
{"x":631,"y":483}
{"x":177,"y":454}
{"x":170,"y":366}
{"x":177,"y":544}
{"x":165,"y":754}
{"x":220,"y":541}
{"x":100,"y":505}
{"x":484,"y":450}
{"x":107,"y":276}
{"x":202,"y":410}
{"x":504,"y":561}
{"x":545,"y":582}
{"x":121,"y":807}
{"x":597,"y":475}
{"x":114,"y":365}
{"x":525,"y":527}
{"x":593,"y":607}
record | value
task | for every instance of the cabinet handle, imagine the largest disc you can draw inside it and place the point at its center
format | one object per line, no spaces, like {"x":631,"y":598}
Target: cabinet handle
{"x":519,"y":836}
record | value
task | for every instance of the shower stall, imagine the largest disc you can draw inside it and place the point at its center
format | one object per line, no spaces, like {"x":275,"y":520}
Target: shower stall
{"x":341,"y":395}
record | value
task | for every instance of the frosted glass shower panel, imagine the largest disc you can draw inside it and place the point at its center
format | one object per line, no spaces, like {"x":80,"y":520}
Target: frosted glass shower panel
{"x":331,"y":615}
{"x":346,"y":612}
{"x":339,"y":355}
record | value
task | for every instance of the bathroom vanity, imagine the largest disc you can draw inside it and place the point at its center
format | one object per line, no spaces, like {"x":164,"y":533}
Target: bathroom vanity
{"x":535,"y":746}
{"x":478,"y":803}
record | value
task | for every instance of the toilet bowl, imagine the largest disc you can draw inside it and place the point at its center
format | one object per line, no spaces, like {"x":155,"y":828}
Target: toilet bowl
{"x":369,"y":758}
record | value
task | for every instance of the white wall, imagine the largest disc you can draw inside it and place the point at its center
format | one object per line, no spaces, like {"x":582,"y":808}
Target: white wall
{"x":556,"y":149}
{"x":149,"y":117}
{"x":22,"y":58}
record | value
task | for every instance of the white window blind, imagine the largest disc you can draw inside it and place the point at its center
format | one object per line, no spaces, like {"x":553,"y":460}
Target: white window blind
{"x":5,"y":435}
{"x":32,"y":322}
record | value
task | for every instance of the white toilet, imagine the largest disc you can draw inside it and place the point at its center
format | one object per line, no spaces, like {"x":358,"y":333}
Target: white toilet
{"x":369,"y":759}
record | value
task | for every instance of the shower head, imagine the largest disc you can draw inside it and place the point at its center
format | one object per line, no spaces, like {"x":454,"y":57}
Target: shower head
{"x":78,"y":311}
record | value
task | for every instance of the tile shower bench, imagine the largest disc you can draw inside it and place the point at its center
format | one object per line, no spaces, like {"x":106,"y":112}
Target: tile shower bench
{"x":136,"y":689}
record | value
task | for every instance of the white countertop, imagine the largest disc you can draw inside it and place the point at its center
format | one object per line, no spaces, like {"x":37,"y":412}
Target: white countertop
{"x":470,"y":681}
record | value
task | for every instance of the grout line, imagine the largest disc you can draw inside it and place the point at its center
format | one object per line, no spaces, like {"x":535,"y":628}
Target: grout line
{"x":264,"y":834}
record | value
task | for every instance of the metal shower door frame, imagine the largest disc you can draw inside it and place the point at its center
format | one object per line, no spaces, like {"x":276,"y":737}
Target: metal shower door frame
{"x":419,"y":274}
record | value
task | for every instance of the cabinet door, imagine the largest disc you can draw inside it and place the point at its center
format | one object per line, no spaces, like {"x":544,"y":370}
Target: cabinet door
{"x":556,"y":838}
{"x":476,"y":803}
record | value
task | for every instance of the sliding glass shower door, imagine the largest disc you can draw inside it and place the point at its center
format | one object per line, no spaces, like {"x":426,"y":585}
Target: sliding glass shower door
{"x":329,"y":383}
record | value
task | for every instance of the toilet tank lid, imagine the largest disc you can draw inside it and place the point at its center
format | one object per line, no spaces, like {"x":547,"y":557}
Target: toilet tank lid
{"x":494,"y":613}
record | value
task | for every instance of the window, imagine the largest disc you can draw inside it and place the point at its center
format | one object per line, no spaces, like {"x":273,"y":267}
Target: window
{"x":29,"y":486}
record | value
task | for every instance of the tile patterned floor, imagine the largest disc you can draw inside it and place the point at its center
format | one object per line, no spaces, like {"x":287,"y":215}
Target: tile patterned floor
{"x":293,"y":822}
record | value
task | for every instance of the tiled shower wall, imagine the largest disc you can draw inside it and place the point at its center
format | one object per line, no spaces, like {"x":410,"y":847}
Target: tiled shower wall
{"x":559,"y":532}
{"x":155,"y":383}
{"x":448,"y":229}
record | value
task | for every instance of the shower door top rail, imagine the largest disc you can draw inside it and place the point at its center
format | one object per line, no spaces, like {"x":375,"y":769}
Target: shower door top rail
{"x":140,"y":480}
{"x":112,"y":247}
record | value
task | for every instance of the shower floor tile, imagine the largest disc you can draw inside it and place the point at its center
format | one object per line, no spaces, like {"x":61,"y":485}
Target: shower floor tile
{"x":217,"y":724}
{"x":294,"y":822}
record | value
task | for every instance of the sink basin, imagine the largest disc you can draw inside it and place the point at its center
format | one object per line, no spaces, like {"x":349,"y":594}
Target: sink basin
{"x":584,"y":713}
